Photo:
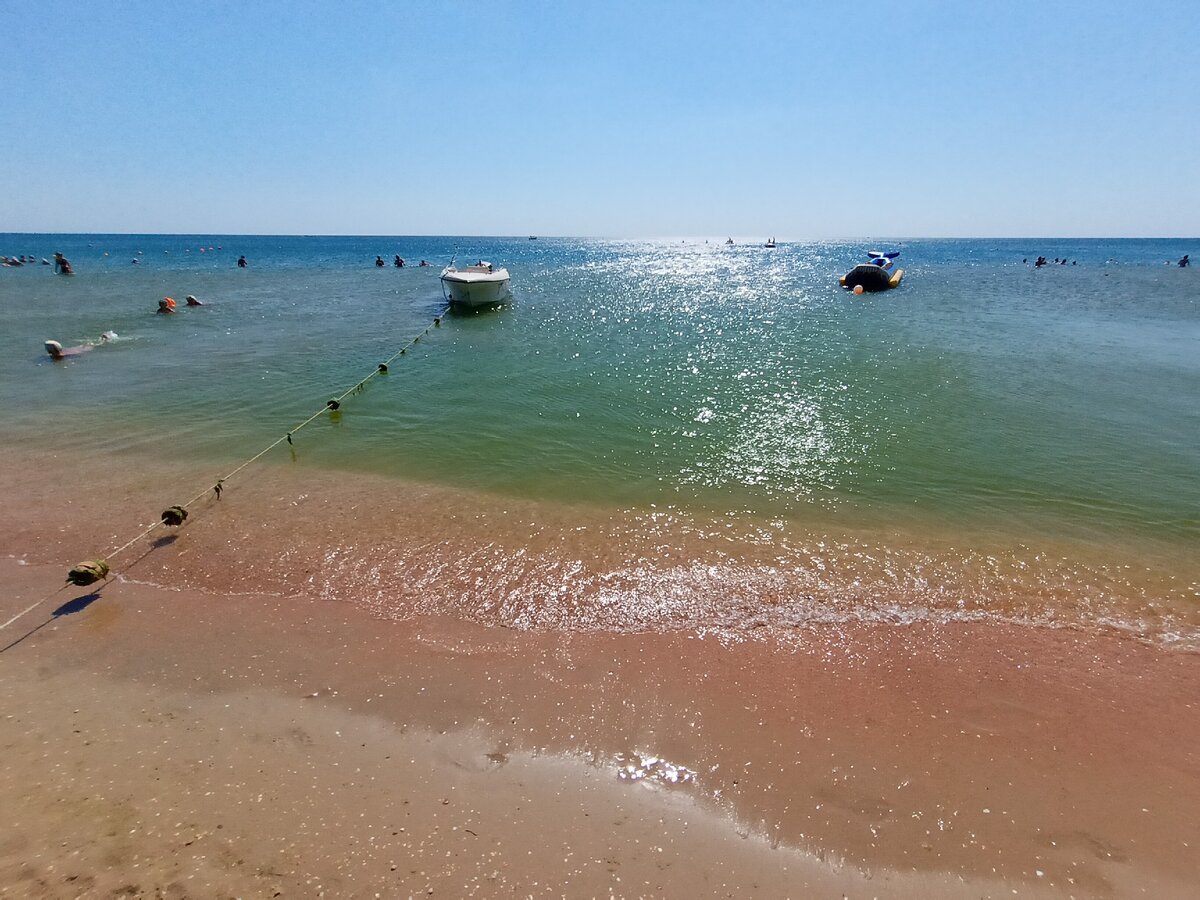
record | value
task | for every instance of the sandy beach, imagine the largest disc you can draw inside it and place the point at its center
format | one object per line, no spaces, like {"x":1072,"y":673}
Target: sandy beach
{"x":171,"y":733}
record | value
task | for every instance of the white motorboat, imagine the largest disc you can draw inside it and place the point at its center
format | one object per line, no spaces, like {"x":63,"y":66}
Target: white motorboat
{"x":473,"y":286}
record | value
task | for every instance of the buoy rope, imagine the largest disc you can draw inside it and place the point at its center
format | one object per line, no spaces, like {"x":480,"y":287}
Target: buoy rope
{"x":32,"y":607}
{"x":95,"y":570}
{"x":330,"y":406}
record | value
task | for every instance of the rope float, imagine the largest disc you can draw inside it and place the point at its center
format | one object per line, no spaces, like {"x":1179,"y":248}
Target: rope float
{"x":90,"y":571}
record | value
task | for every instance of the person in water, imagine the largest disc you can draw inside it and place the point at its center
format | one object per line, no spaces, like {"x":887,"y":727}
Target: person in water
{"x":57,"y":351}
{"x":1184,"y":262}
{"x":399,"y":263}
{"x":62,"y":265}
{"x":379,"y":263}
{"x":166,"y":305}
{"x":241,"y":262}
{"x":192,"y":301}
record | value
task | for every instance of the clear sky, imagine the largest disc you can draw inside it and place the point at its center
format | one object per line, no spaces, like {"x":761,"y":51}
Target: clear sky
{"x":802,"y":120}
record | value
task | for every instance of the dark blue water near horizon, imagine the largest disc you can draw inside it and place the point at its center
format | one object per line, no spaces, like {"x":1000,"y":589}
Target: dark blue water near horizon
{"x":182,"y":251}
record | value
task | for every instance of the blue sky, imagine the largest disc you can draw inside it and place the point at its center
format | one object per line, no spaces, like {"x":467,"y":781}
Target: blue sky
{"x":624,"y":119}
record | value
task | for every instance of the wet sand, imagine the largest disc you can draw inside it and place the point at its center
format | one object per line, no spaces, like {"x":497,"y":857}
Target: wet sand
{"x":173,"y":733}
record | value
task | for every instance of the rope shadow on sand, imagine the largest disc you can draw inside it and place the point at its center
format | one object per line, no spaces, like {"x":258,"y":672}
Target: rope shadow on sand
{"x":83,"y":601}
{"x":75,"y":605}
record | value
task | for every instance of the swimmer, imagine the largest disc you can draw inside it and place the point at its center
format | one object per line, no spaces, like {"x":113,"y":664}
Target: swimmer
{"x":107,"y":336}
{"x":166,"y":305}
{"x":192,"y":301}
{"x":57,"y":351}
{"x":241,"y":262}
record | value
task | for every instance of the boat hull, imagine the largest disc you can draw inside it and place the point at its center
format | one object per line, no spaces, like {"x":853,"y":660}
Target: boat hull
{"x":467,"y":292}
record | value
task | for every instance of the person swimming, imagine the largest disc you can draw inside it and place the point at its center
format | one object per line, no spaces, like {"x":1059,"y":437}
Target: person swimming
{"x":192,"y":301}
{"x":57,"y":351}
{"x":166,"y":305}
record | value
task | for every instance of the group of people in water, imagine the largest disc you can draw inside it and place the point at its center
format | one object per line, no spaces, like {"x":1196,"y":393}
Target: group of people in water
{"x":166,"y":306}
{"x":62,"y":265}
{"x":1042,"y":261}
{"x":397,"y":262}
{"x":1183,"y":263}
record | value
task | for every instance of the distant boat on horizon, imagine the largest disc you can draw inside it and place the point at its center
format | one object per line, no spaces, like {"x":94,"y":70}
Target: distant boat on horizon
{"x":770,"y":243}
{"x":533,"y":237}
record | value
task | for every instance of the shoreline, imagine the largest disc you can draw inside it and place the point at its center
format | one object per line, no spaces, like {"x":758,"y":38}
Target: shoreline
{"x":402,"y":548}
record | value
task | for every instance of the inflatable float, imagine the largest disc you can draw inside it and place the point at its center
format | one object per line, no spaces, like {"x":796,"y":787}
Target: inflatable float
{"x":879,"y":274}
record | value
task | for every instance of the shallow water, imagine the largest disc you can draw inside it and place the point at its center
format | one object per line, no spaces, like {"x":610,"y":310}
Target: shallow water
{"x":1044,"y":419}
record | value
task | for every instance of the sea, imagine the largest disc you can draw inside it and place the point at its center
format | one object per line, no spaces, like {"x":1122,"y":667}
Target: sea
{"x":988,"y":440}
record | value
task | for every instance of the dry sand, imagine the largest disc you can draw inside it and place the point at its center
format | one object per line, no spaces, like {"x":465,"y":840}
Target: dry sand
{"x":195,"y":742}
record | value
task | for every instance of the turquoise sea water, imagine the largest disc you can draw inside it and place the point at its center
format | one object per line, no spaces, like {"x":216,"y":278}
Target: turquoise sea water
{"x":729,"y":381}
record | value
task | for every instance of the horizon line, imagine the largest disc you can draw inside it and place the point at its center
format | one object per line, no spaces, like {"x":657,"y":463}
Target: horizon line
{"x":683,"y":237}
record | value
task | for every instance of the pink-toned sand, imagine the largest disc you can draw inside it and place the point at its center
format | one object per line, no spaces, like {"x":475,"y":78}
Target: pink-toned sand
{"x":164,"y":737}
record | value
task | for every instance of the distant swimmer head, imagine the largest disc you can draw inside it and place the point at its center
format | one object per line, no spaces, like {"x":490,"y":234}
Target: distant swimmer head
{"x":192,"y":301}
{"x":108,"y":336}
{"x":54,"y":348}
